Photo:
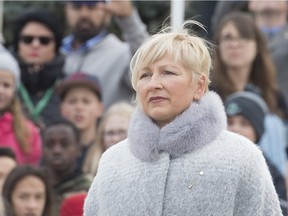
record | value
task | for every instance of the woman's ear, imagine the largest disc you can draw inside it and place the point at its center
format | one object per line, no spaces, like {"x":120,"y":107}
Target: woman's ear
{"x":200,"y":87}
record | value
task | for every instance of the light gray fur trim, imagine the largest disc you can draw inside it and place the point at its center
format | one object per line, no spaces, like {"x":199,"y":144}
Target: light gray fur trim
{"x":181,"y":136}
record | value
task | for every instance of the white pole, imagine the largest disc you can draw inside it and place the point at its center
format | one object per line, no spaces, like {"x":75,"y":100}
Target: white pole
{"x":1,"y":21}
{"x":177,"y":13}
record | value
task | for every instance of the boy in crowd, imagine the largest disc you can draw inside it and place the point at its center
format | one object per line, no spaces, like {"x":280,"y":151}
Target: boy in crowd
{"x":81,"y":103}
{"x":61,"y":151}
{"x":246,"y":113}
{"x":7,"y":163}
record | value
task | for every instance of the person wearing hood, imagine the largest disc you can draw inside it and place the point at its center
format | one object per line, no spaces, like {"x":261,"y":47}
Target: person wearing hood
{"x":37,"y":38}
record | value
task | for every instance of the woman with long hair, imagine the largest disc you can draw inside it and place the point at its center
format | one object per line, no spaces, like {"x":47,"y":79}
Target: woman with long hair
{"x":242,"y":61}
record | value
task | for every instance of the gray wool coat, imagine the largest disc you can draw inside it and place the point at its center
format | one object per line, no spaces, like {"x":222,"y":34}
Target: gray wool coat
{"x":191,"y":166}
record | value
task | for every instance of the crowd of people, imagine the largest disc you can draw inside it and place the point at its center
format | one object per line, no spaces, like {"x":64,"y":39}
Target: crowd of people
{"x":201,"y":126}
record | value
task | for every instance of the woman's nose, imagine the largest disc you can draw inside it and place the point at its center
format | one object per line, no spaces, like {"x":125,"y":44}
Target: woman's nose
{"x":155,"y":82}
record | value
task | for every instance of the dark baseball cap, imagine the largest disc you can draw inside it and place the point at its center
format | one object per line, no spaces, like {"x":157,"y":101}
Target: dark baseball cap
{"x":79,"y":79}
{"x":79,"y":3}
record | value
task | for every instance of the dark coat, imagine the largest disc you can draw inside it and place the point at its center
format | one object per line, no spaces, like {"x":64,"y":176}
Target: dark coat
{"x":37,"y":83}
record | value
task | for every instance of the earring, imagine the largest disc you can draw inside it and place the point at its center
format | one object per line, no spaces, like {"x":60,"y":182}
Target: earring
{"x":196,"y":100}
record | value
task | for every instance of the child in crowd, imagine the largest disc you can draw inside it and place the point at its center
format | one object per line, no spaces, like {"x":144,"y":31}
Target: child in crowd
{"x":16,"y":132}
{"x":7,"y":163}
{"x":61,"y":149}
{"x":27,"y":192}
{"x":246,"y":113}
{"x":243,"y":63}
{"x":114,"y":124}
{"x":81,"y":103}
{"x":113,"y":128}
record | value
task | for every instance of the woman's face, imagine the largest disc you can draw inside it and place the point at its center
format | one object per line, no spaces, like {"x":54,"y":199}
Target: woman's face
{"x":165,"y":89}
{"x":7,"y":89}
{"x":236,"y":51}
{"x":29,"y":197}
{"x":36,"y":44}
{"x":115,"y":129}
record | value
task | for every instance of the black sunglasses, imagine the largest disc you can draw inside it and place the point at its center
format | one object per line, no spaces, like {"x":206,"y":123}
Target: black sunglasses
{"x":28,"y":39}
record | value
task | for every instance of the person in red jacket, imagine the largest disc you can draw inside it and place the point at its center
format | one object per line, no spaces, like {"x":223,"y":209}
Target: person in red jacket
{"x":16,"y":132}
{"x":73,"y":205}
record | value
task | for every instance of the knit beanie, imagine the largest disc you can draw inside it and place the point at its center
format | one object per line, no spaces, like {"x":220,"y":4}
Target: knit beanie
{"x":251,"y":106}
{"x":9,"y":64}
{"x":43,"y":16}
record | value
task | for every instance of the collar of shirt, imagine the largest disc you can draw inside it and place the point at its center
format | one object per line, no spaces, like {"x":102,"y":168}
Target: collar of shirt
{"x":271,"y":31}
{"x":67,"y":43}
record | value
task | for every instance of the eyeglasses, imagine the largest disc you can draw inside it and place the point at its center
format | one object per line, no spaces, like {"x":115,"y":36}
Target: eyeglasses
{"x":44,"y":40}
{"x":230,"y":39}
{"x":111,"y":133}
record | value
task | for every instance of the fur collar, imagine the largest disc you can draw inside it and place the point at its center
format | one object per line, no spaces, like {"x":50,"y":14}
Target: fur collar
{"x":197,"y":126}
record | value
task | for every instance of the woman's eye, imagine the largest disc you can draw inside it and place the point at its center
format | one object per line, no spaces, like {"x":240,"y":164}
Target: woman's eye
{"x":168,"y":73}
{"x":144,"y":75}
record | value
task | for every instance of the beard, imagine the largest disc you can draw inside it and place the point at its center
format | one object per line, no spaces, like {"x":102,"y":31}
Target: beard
{"x":85,"y":30}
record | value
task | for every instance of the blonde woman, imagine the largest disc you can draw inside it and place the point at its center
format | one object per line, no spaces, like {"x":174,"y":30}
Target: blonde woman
{"x":179,"y":159}
{"x":113,"y":128}
{"x":114,"y":124}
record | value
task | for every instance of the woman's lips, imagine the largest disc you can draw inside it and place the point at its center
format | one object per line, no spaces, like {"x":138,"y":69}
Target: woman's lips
{"x":156,"y":99}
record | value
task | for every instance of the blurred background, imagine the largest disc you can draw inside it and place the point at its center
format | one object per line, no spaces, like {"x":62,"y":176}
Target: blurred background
{"x":153,"y":13}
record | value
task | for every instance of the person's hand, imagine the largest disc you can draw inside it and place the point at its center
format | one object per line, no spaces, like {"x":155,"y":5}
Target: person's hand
{"x":120,"y":8}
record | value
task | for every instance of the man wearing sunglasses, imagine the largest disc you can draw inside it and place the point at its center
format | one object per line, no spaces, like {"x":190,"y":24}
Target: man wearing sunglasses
{"x":91,"y":49}
{"x":37,"y":38}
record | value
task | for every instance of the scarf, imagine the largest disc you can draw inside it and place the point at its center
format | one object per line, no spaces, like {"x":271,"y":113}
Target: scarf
{"x":194,"y":128}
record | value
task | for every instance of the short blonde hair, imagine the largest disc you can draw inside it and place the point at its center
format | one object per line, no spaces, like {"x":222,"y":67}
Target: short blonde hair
{"x":187,"y":48}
